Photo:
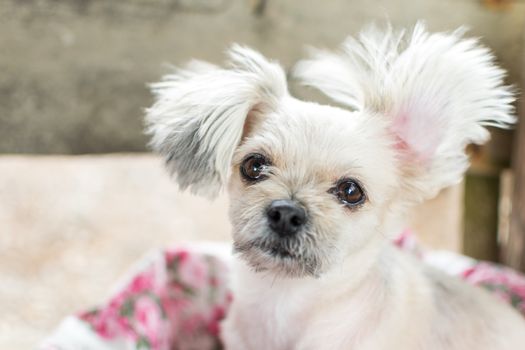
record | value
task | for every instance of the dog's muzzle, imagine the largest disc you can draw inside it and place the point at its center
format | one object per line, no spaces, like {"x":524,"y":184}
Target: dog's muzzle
{"x":285,"y":217}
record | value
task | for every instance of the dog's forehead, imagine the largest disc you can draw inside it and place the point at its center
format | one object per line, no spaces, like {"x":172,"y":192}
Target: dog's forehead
{"x":318,"y":138}
{"x":310,"y":127}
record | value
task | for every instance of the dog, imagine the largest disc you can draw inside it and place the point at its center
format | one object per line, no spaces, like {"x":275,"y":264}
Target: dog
{"x":316,"y":191}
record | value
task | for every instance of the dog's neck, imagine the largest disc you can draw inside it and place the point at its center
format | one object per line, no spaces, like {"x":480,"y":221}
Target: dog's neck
{"x":354,"y":272}
{"x":279,"y":305}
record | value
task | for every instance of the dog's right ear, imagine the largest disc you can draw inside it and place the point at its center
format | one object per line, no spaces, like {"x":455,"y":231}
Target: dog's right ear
{"x":437,"y":92}
{"x":198,"y":117}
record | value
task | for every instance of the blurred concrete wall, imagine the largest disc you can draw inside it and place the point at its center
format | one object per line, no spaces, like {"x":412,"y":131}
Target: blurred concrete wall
{"x":73,"y":72}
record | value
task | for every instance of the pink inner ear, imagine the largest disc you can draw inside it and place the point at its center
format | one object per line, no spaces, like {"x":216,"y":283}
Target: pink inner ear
{"x":418,"y":132}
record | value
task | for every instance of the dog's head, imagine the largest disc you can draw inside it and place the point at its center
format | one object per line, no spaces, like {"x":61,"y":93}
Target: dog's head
{"x":310,"y":184}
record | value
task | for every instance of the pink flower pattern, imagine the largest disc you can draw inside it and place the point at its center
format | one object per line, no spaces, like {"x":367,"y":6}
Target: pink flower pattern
{"x":505,"y":283}
{"x":177,"y":300}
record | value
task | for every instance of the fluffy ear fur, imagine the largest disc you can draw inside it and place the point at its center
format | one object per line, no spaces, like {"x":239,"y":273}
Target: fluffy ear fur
{"x":438,"y":91}
{"x":198,"y":117}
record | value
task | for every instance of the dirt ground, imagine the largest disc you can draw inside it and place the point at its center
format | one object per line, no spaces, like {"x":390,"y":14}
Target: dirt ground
{"x":70,"y":226}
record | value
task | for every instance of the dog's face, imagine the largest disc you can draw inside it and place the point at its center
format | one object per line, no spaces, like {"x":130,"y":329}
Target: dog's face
{"x":309,"y":184}
{"x":307,"y":189}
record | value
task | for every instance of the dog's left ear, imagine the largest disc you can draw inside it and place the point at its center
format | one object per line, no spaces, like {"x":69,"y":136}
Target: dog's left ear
{"x":198,"y":118}
{"x":437,"y":92}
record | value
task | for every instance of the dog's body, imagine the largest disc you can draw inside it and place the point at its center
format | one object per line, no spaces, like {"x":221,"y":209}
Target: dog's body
{"x":316,"y":190}
{"x":397,"y":305}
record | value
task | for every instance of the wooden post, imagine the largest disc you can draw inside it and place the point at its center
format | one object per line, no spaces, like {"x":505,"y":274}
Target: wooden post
{"x":481,"y":215}
{"x":513,"y":251}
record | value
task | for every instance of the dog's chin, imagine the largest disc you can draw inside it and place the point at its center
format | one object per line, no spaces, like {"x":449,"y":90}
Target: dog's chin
{"x":276,"y":258}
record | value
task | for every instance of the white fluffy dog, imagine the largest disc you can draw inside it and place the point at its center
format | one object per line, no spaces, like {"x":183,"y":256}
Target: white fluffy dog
{"x":317,"y":190}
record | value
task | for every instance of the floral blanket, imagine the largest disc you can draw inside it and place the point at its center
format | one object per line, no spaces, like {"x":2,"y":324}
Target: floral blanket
{"x":175,"y":299}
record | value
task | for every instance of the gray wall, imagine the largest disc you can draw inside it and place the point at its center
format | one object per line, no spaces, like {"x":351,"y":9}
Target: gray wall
{"x":73,"y":73}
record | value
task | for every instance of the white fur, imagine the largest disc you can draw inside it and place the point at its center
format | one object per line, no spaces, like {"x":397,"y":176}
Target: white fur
{"x":416,"y":101}
{"x":218,"y":101}
{"x":438,"y":90}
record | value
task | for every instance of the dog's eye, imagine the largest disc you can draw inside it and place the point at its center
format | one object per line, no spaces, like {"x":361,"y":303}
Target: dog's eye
{"x":253,"y":167}
{"x":349,"y":192}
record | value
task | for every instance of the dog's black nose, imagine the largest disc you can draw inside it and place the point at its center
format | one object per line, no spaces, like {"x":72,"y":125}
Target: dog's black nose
{"x":285,"y":217}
